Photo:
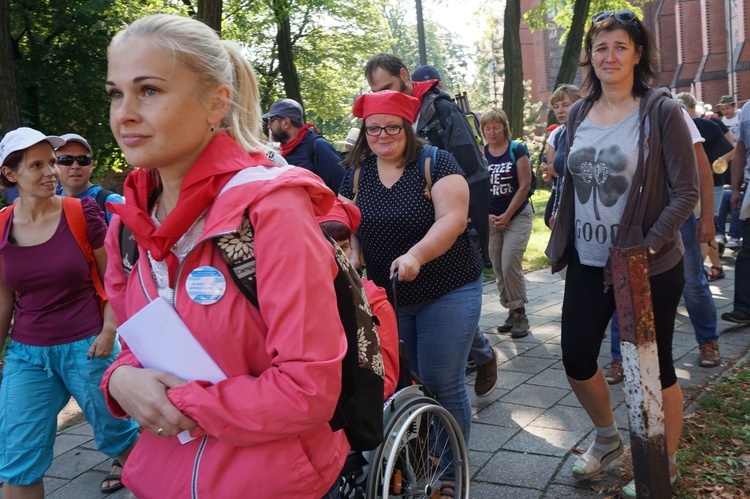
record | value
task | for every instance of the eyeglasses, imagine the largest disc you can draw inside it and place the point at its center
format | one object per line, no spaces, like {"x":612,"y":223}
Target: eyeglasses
{"x":375,"y":131}
{"x":625,"y":16}
{"x":273,"y":118}
{"x":68,"y":160}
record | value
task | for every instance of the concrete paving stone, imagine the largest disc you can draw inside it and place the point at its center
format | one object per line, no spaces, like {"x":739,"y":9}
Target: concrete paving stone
{"x":736,"y":337}
{"x":479,"y":403}
{"x":477,"y":460}
{"x":85,"y":486}
{"x":493,"y":491}
{"x":554,"y":378}
{"x":546,"y":350}
{"x":491,"y":320}
{"x":508,"y":349}
{"x":509,"y":415}
{"x":508,"y":380}
{"x":490,"y":438}
{"x":621,"y":417}
{"x":544,"y":276}
{"x":65,"y":442}
{"x":535,"y":396}
{"x":567,"y":492}
{"x":74,"y":462}
{"x":526,"y":365}
{"x":564,"y":418}
{"x":513,"y":468}
{"x":570,"y":400}
{"x":84,"y":429}
{"x":545,"y":441}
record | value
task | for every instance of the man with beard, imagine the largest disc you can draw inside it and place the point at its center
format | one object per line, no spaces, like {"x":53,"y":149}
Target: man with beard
{"x":301,"y":144}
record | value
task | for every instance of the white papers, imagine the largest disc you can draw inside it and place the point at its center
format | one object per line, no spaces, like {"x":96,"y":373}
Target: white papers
{"x":160,"y":340}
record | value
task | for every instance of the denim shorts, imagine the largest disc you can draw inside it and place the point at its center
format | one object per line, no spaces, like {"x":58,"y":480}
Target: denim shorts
{"x":37,"y":383}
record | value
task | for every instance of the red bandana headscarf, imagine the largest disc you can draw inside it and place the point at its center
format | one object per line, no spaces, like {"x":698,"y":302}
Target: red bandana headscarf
{"x":345,"y":213}
{"x":216,"y":165}
{"x":386,"y":102}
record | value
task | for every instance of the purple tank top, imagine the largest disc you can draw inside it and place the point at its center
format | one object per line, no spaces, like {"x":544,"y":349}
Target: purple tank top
{"x":56,"y":300}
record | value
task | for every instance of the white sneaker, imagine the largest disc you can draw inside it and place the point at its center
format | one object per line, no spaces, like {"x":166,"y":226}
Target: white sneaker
{"x":734,"y":243}
{"x":721,"y":238}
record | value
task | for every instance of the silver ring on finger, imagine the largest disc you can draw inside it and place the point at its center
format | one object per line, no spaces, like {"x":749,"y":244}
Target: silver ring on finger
{"x":159,"y":432}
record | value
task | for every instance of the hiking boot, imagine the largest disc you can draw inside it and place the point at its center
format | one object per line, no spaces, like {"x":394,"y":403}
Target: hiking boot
{"x":521,"y":326}
{"x":736,"y":317}
{"x":506,"y":326}
{"x":709,"y":355}
{"x":486,"y":381}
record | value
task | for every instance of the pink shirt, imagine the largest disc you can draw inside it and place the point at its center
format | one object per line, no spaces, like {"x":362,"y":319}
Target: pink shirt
{"x":56,"y":300}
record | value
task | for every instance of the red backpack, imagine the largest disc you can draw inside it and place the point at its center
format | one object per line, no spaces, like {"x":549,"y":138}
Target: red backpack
{"x":77,"y":222}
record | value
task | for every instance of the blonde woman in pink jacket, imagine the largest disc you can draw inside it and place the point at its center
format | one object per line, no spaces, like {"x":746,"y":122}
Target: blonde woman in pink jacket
{"x":185,"y":111}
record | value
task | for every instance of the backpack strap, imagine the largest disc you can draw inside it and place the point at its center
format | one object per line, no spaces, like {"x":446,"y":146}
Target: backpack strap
{"x":237,"y":251}
{"x":128,"y":249}
{"x":428,"y":157}
{"x":311,"y":147}
{"x":77,"y":222}
{"x":512,"y":149}
{"x":4,"y":217}
{"x":101,"y":198}
{"x":355,"y":178}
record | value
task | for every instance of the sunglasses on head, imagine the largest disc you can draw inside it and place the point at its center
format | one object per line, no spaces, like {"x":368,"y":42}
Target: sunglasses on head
{"x":625,"y":16}
{"x":68,"y":160}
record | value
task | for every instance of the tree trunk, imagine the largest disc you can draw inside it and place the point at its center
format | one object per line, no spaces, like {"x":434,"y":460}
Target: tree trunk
{"x":286,"y":51}
{"x":10,"y":109}
{"x":209,"y":11}
{"x":513,"y":88}
{"x":572,"y":52}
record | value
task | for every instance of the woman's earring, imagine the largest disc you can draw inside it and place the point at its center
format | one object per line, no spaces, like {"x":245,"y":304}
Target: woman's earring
{"x":212,"y":126}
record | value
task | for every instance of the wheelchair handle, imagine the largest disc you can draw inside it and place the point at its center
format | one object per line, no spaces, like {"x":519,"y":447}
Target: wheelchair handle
{"x":394,"y":287}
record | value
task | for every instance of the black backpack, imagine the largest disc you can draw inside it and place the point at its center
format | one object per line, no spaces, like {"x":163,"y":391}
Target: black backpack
{"x":532,"y":189}
{"x":359,"y":411}
{"x":101,"y":198}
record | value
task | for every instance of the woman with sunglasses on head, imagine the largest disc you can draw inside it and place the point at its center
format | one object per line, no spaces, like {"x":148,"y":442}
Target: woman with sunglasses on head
{"x":421,"y":234}
{"x":185,"y":109}
{"x":630,"y":180}
{"x":63,"y":336}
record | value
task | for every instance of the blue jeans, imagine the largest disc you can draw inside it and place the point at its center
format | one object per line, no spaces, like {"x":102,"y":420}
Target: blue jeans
{"x":699,"y":301}
{"x":734,"y":220}
{"x":481,"y":351}
{"x":437,"y":336}
{"x":742,"y":272}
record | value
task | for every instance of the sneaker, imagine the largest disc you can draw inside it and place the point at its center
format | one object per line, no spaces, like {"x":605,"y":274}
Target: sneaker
{"x":709,"y":354}
{"x":486,"y":381}
{"x":736,"y":317}
{"x":521,"y":327}
{"x":720,"y":239}
{"x":629,"y":489}
{"x":506,"y":326}
{"x":734,"y":243}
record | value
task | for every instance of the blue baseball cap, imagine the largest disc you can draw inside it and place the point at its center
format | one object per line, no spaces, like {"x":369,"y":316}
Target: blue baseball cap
{"x":423,"y":73}
{"x":286,"y":108}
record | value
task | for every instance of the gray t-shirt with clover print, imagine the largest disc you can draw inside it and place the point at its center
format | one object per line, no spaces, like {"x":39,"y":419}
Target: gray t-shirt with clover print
{"x":602,"y":162}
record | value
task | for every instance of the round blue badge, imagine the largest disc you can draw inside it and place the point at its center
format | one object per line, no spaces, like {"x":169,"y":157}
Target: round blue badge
{"x":206,"y":285}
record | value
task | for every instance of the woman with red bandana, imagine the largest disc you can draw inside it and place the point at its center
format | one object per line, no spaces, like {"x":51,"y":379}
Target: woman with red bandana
{"x":421,"y":234}
{"x":185,"y":110}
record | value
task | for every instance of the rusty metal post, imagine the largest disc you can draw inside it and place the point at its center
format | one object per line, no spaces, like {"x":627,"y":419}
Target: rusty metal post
{"x":635,"y":315}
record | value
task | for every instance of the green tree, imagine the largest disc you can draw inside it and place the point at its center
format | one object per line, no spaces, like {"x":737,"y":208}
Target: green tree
{"x":513,"y":89}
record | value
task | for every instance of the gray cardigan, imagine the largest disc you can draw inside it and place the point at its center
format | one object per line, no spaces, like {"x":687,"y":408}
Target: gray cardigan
{"x":664,"y":191}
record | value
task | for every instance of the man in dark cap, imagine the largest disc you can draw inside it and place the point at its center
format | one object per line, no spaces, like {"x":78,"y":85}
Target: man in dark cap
{"x":301,"y":144}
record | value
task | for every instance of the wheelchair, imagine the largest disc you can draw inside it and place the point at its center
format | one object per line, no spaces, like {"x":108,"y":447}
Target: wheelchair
{"x":422,"y":447}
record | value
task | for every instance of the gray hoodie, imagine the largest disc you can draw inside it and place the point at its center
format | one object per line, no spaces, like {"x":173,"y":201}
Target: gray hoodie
{"x":664,"y":191}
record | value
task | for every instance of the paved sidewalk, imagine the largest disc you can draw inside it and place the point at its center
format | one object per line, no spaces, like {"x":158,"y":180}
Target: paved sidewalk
{"x":522,"y":434}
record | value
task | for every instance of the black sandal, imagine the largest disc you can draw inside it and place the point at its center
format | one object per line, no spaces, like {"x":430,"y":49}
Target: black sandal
{"x":112,"y":478}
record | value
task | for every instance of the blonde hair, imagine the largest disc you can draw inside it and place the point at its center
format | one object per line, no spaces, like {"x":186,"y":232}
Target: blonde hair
{"x":495,"y":114}
{"x":687,"y":99}
{"x":215,"y":62}
{"x":564,"y":90}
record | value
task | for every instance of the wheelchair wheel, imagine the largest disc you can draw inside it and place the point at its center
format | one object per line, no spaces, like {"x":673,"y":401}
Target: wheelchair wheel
{"x":423,"y":447}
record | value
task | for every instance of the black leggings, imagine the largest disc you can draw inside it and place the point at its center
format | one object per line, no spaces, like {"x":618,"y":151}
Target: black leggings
{"x":587,"y":310}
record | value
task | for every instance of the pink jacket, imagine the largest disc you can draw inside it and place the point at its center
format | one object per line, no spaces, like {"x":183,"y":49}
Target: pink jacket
{"x":387,"y":329}
{"x":263,"y":432}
